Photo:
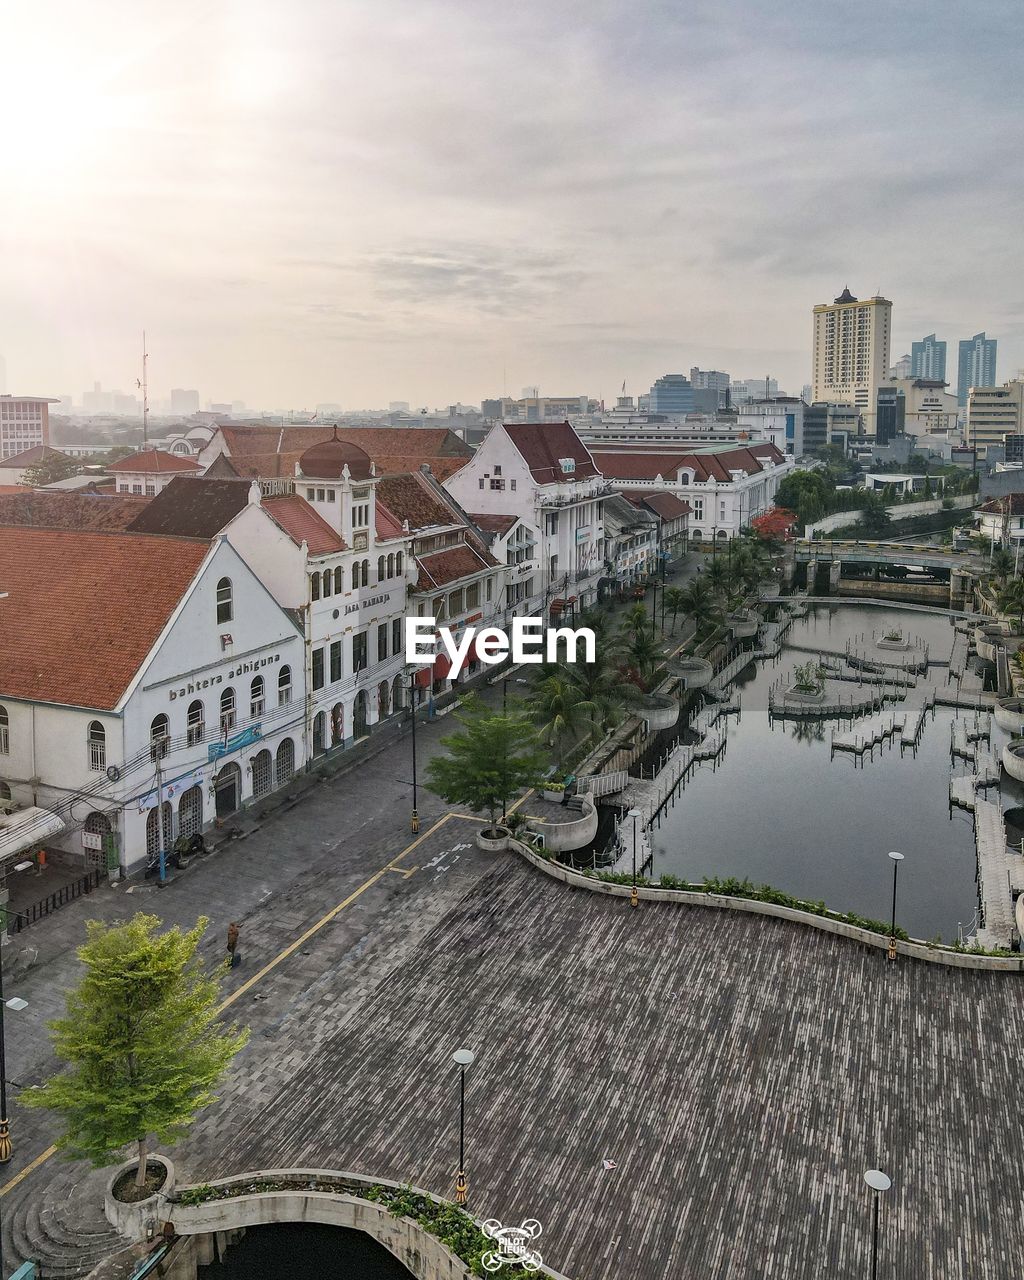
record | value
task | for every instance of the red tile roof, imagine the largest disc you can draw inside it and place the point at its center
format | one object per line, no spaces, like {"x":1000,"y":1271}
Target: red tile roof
{"x":444,"y":567}
{"x":636,"y":464}
{"x":83,"y":610}
{"x":994,"y":506}
{"x":15,"y":488}
{"x":298,"y":519}
{"x":56,"y":509}
{"x":28,"y":456}
{"x":544,"y":444}
{"x":253,"y":466}
{"x":412,"y":497}
{"x":493,"y":524}
{"x":387,"y":526}
{"x":154,"y":460}
{"x":664,"y":504}
{"x":421,"y":443}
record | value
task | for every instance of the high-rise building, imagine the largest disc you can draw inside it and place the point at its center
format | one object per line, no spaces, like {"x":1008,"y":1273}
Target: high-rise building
{"x":746,"y":390}
{"x":927,"y":359}
{"x":184,"y":403}
{"x":708,"y":379}
{"x":672,"y":393}
{"x":24,"y":423}
{"x":901,"y":369}
{"x":890,"y":411}
{"x":851,"y":352}
{"x":976,"y":365}
{"x":994,"y":412}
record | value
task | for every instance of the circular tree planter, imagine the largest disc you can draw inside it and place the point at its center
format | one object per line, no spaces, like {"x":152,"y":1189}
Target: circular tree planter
{"x":900,"y":642}
{"x":694,"y":672}
{"x":808,"y":697}
{"x":1013,"y":759}
{"x":129,"y":1214}
{"x":1009,"y":713}
{"x":493,"y":839}
{"x":742,"y":624}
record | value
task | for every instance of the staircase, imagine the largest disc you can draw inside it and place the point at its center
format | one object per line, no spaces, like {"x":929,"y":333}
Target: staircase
{"x":60,"y":1225}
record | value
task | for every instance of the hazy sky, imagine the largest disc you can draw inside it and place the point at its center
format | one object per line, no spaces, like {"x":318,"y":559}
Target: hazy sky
{"x":429,"y":199}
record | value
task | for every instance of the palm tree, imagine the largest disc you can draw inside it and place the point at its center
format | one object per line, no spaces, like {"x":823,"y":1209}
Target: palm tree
{"x":699,"y":604}
{"x":716,"y":576}
{"x":674,"y":601}
{"x":639,"y":654}
{"x":1011,"y":599}
{"x":602,"y":690}
{"x":1002,"y":563}
{"x":636,"y":618}
{"x":557,"y":708}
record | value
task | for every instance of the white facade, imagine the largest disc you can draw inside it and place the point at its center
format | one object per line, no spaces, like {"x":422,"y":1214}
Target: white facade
{"x":561,"y":515}
{"x":212,"y":720}
{"x":24,"y":423}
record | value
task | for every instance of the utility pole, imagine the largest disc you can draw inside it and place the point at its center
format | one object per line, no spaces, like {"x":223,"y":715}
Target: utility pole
{"x":144,"y":387}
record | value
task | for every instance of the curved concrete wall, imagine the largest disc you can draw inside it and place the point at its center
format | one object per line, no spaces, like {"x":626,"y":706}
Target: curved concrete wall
{"x":564,"y":836}
{"x":1013,"y":760}
{"x":659,"y":710}
{"x":1009,"y":714}
{"x":648,"y":893}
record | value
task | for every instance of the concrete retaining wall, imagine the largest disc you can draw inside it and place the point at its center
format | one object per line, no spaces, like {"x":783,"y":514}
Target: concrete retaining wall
{"x":564,"y":836}
{"x":898,"y":511}
{"x":649,"y":893}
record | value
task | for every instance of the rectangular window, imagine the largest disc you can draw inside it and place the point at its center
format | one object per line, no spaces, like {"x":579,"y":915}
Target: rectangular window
{"x":320,"y":495}
{"x":359,"y":651}
{"x":512,"y":485}
{"x":481,"y":484}
{"x":473,"y":595}
{"x":498,"y":484}
{"x":497,"y":471}
{"x":330,"y":495}
{"x":382,"y":642}
{"x":335,"y":661}
{"x":490,"y":588}
{"x":5,"y":740}
{"x":396,"y":636}
{"x":310,"y":495}
{"x":318,"y":668}
{"x":455,"y":604}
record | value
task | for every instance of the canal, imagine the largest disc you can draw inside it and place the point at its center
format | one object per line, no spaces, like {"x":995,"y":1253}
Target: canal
{"x":780,"y":808}
{"x":290,"y":1250}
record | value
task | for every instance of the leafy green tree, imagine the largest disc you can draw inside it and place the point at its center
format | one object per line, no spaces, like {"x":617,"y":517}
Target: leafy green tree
{"x":142,"y":1047}
{"x":561,"y":713}
{"x":1002,"y":563}
{"x":50,"y":468}
{"x":875,"y":519}
{"x":699,"y":605}
{"x":639,"y":655}
{"x":603,"y":692}
{"x":1011,"y":599}
{"x":717,"y":576}
{"x":492,"y":758}
{"x":808,"y":493}
{"x":674,"y":602}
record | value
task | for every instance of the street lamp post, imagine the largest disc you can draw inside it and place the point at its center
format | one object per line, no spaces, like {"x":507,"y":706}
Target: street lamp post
{"x":463,"y":1059}
{"x":878,"y":1182}
{"x":634,"y":897}
{"x":16,"y":1004}
{"x":897,"y":858}
{"x":412,"y":712}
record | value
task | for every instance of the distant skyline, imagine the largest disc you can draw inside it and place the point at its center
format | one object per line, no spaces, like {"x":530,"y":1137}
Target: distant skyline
{"x":433,"y":201}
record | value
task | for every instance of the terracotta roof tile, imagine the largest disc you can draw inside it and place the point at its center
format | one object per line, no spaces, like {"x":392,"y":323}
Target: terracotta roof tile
{"x":638,"y":464}
{"x":282,"y":465}
{"x":493,"y":524}
{"x":153,"y":461}
{"x":387,"y":526}
{"x":80,"y":638}
{"x":411,"y":497}
{"x":50,"y":509}
{"x":29,"y":456}
{"x":664,"y":504}
{"x":192,"y":507}
{"x":444,"y":567}
{"x":419,"y":443}
{"x":543,"y":444}
{"x":298,"y":519}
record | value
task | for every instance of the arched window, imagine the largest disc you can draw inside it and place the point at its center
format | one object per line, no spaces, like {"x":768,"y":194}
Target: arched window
{"x":319,"y":733}
{"x":159,"y":737}
{"x":398,"y":563}
{"x":225,"y":604}
{"x":227,"y":710}
{"x":97,"y":738}
{"x":382,"y":565}
{"x":337,"y":725}
{"x":339,"y":581}
{"x":5,"y":732}
{"x":257,"y":700}
{"x":391,"y":565}
{"x":328,"y":578}
{"x":284,"y":765}
{"x":195,"y":728}
{"x":284,"y":686}
{"x":314,"y":587}
{"x":366,"y":573}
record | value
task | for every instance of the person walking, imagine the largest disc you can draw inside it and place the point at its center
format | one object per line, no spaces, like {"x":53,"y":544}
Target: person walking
{"x":233,"y":932}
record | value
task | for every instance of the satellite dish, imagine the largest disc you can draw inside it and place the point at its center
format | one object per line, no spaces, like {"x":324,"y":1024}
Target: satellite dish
{"x":113,"y":773}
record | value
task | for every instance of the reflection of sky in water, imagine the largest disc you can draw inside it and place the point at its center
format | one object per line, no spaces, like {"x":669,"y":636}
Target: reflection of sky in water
{"x":778,"y":810}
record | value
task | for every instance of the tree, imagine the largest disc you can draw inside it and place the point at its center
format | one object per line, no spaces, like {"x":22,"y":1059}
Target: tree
{"x":560,"y":712}
{"x":141,"y":1042}
{"x":808,"y":493}
{"x":50,"y":468}
{"x":875,"y":518}
{"x":639,"y":655}
{"x":1011,"y":600}
{"x":774,"y":527}
{"x":1002,"y":563}
{"x":700,"y":606}
{"x":602,"y":691}
{"x":492,"y":758}
{"x":674,"y":602}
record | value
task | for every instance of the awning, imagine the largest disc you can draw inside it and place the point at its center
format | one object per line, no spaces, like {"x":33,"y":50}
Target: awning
{"x":442,"y":665}
{"x":423,"y":677}
{"x":26,"y":828}
{"x":470,"y":655}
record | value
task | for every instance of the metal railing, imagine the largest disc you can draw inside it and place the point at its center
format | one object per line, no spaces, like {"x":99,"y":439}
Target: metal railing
{"x":16,"y":922}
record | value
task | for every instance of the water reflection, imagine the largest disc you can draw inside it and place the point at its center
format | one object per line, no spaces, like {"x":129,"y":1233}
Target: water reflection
{"x":292,"y":1250}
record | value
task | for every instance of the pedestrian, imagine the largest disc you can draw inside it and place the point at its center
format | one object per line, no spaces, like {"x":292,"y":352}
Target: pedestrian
{"x":233,"y":931}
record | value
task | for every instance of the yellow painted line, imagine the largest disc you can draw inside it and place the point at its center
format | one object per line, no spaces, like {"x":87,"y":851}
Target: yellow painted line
{"x":290,"y":950}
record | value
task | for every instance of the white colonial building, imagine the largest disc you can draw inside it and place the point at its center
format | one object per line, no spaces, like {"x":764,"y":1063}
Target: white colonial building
{"x":542,"y":474}
{"x":149,"y":686}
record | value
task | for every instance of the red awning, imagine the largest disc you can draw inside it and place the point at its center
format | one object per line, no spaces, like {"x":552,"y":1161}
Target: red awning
{"x":423,"y":677}
{"x":442,"y":665}
{"x":470,"y":655}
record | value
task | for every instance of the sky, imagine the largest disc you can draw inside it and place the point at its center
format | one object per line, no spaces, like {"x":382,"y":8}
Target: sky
{"x":441,"y":200}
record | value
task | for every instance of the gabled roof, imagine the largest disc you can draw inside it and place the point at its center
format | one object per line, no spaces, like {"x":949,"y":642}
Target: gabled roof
{"x":302,"y":524}
{"x":543,"y":445}
{"x":152,"y":461}
{"x":192,"y":507}
{"x":995,"y":506}
{"x":412,"y":497}
{"x":666,"y":505}
{"x":274,"y":466}
{"x":441,"y":568}
{"x":499,"y":525}
{"x":711,"y":464}
{"x":28,"y":457}
{"x":83,"y":610}
{"x":621,"y":514}
{"x":421,"y":443}
{"x":50,"y":509}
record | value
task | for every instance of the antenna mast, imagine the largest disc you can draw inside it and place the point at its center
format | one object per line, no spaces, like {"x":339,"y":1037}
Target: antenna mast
{"x":145,"y":393}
